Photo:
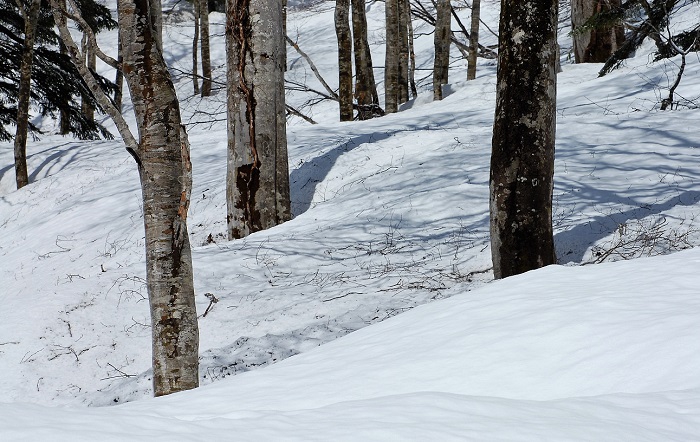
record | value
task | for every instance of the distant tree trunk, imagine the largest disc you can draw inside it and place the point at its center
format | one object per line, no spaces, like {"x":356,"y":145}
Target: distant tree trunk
{"x":342,"y":32}
{"x":594,"y":45}
{"x":31,"y":17}
{"x":257,"y":184}
{"x":64,"y":114}
{"x":162,"y":155}
{"x":442,"y":38}
{"x":522,"y":159}
{"x":473,"y":40}
{"x":412,"y":60}
{"x":196,"y":4}
{"x":404,"y":19}
{"x":86,"y":107}
{"x":365,"y":87}
{"x":206,"y":53}
{"x":391,"y":61}
{"x":119,"y":78}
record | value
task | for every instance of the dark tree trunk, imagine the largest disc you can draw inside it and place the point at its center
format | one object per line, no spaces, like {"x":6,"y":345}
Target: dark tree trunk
{"x":64,"y":114}
{"x":365,"y":88}
{"x":206,"y":53}
{"x":342,"y":32}
{"x":391,"y":61}
{"x":442,"y":47}
{"x":404,"y":18}
{"x":165,"y":173}
{"x":257,"y":184}
{"x":119,"y":77}
{"x":474,"y":40}
{"x":598,"y":44}
{"x":196,"y":4}
{"x":522,"y":160}
{"x":31,"y":17}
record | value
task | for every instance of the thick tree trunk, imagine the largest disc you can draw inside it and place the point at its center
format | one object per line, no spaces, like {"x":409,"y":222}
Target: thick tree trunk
{"x":522,"y":160}
{"x":391,"y":61}
{"x":206,"y":54}
{"x":342,"y":32}
{"x":442,"y":47}
{"x":598,"y":44}
{"x":404,"y":18}
{"x":165,"y":172}
{"x":196,"y":5}
{"x":474,"y":40}
{"x":31,"y":17}
{"x":365,"y":87}
{"x":257,"y":184}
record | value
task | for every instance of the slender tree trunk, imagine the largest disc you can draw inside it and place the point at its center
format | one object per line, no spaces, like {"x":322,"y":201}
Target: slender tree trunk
{"x":365,"y":88}
{"x":473,"y":40}
{"x":404,"y":17}
{"x":64,"y":115}
{"x":391,"y":62}
{"x":31,"y":17}
{"x":257,"y":185}
{"x":119,"y":77}
{"x":522,"y":160}
{"x":412,"y":60}
{"x":196,"y":4}
{"x":342,"y":32}
{"x":206,"y":55}
{"x":598,"y":44}
{"x":86,"y":107}
{"x":165,"y":173}
{"x":442,"y":47}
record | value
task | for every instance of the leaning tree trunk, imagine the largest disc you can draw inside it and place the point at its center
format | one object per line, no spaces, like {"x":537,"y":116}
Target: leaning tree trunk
{"x":365,"y":87}
{"x":391,"y":61}
{"x":206,"y":53}
{"x":474,"y":40}
{"x":165,"y":173}
{"x":522,"y":160}
{"x":404,"y":17}
{"x":31,"y":17}
{"x":196,"y":4}
{"x":257,"y":183}
{"x":597,"y":44}
{"x":442,"y":38}
{"x":342,"y":32}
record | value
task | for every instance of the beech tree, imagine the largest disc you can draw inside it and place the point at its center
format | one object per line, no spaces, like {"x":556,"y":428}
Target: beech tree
{"x":162,"y":156}
{"x":365,"y":86}
{"x":391,"y":61}
{"x":257,"y":182}
{"x":205,"y":47}
{"x":522,"y":159}
{"x":473,"y":40}
{"x":441,"y":66}
{"x":342,"y":32}
{"x":595,"y":43}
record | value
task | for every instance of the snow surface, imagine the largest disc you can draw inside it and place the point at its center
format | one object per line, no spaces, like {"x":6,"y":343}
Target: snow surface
{"x":390,"y":214}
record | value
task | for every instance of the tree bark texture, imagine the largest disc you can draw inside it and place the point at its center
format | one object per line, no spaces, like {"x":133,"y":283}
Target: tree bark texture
{"x":31,"y":17}
{"x":91,"y":61}
{"x":404,"y":18}
{"x":365,"y":87}
{"x":64,"y":115}
{"x":196,"y":5}
{"x":257,"y":186}
{"x":473,"y":40}
{"x":205,"y":47}
{"x":119,"y":77}
{"x":597,"y":44}
{"x":391,"y":61}
{"x":165,"y":171}
{"x":522,"y":160}
{"x":442,"y":38}
{"x":342,"y":32}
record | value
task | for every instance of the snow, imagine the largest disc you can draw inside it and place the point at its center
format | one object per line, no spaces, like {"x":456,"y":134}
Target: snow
{"x":379,"y":289}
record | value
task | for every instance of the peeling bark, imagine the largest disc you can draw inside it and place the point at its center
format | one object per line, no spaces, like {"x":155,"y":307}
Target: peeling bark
{"x":522,"y":161}
{"x":257,"y":188}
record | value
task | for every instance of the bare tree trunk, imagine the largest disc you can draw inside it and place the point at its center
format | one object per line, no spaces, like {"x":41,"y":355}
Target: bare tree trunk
{"x":86,"y":107}
{"x":162,"y":155}
{"x":31,"y":17}
{"x":522,"y":160}
{"x":342,"y":32}
{"x":365,"y":88}
{"x":442,"y":47}
{"x":257,"y":184}
{"x":412,"y":60}
{"x":594,"y":45}
{"x":391,"y":63}
{"x":64,"y":116}
{"x":206,"y":53}
{"x":119,"y":78}
{"x":196,"y":4}
{"x":404,"y":17}
{"x":474,"y":40}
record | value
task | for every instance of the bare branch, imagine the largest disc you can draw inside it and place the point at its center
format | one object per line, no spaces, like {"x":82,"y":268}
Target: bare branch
{"x":303,"y":54}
